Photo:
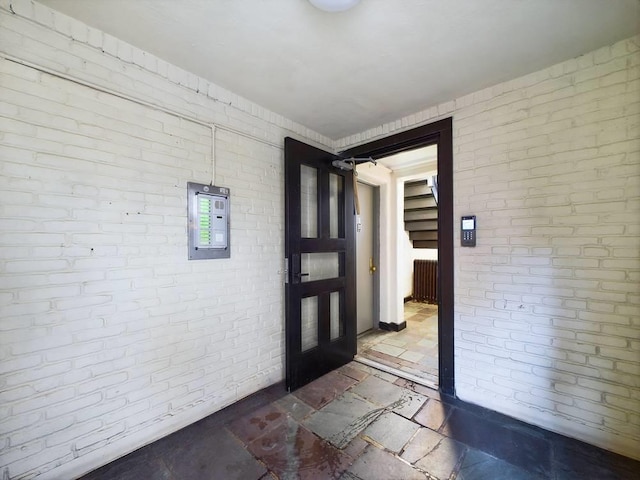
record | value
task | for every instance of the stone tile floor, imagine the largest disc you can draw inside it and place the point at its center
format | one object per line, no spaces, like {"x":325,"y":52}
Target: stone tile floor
{"x":357,"y":423}
{"x":413,"y":350}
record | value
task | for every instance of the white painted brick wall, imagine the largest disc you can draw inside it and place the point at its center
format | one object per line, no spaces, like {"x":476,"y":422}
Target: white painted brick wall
{"x":110,"y":337}
{"x":547,"y":315}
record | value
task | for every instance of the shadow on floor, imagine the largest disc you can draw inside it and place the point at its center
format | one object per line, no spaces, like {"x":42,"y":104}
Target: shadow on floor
{"x":357,"y":423}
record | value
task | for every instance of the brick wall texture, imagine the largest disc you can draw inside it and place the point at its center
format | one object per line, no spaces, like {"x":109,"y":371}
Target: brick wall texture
{"x":547,"y":306}
{"x":111,"y":338}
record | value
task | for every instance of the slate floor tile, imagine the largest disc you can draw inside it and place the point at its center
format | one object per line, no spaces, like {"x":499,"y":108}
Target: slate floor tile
{"x":499,"y":440}
{"x":396,"y":341}
{"x":574,"y":459}
{"x":344,"y":418}
{"x":421,"y":389}
{"x":481,"y":444}
{"x":323,"y":390}
{"x":391,"y":431}
{"x":350,"y":476}
{"x":378,"y":391}
{"x":409,"y":403}
{"x":478,"y":465}
{"x":421,"y":444}
{"x":376,"y":464}
{"x":293,"y":452}
{"x":388,"y":349}
{"x":295,"y":407}
{"x":412,"y":356}
{"x":355,"y":447}
{"x":433,"y":414}
{"x":442,"y":460}
{"x":389,"y":377}
{"x":351,"y":371}
{"x":134,"y":466}
{"x":220,"y":456}
{"x":256,"y":424}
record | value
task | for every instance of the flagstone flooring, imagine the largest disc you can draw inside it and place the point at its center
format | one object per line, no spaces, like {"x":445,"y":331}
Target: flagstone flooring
{"x":358,"y":423}
{"x":413,"y":350}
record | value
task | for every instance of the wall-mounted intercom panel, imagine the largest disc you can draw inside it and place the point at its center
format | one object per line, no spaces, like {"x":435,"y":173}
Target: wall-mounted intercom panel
{"x":209,"y":224}
{"x":468,"y":231}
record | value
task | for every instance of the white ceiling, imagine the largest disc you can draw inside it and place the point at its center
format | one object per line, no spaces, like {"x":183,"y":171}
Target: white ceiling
{"x":342,"y":73}
{"x":422,"y":157}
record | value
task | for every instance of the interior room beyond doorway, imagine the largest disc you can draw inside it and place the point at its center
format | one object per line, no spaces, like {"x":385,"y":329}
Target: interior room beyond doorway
{"x":405,"y":339}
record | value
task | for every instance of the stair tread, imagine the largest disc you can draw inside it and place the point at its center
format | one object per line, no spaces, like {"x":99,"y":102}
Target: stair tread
{"x":425,"y":244}
{"x":414,"y":183}
{"x":421,"y":208}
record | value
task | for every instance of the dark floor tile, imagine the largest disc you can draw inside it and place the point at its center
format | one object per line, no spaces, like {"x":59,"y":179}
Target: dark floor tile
{"x":575,"y":459}
{"x":352,"y":372}
{"x":257,"y":423}
{"x":350,"y":476}
{"x":246,"y":405}
{"x":342,"y":420}
{"x":478,"y":465}
{"x":216,"y":456}
{"x":433,"y":414}
{"x":293,"y":452}
{"x":188,"y":435}
{"x":321,"y":391}
{"x":501,"y":440}
{"x":376,"y":464}
{"x":295,"y":407}
{"x":136,"y":465}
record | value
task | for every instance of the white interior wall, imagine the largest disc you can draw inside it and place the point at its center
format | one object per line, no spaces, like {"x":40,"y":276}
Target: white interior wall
{"x":547,"y":310}
{"x":110,"y":337}
{"x":84,"y":330}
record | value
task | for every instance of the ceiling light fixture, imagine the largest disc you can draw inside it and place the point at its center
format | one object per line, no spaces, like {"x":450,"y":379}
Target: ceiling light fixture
{"x":334,"y":5}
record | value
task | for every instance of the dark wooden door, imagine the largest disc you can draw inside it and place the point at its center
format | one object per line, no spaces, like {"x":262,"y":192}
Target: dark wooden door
{"x":320,"y":251}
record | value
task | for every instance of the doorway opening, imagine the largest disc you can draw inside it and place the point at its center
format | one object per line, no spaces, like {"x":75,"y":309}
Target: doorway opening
{"x":389,"y":270}
{"x":408,"y":346}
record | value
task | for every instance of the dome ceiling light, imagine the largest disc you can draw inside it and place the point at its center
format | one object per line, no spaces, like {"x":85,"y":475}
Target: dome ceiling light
{"x":334,"y":5}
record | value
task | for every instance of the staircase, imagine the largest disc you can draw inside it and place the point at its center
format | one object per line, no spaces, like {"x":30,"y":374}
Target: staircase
{"x":421,"y":214}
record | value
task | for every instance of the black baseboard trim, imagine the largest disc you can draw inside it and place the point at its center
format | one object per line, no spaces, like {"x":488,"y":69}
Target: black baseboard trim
{"x":408,"y":299}
{"x":392,"y":327}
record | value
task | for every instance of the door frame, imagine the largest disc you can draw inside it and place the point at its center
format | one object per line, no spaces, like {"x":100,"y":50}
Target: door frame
{"x":439,"y":133}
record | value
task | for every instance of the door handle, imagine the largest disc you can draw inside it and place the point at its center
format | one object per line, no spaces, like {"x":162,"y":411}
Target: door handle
{"x":372,"y":267}
{"x":300,"y":275}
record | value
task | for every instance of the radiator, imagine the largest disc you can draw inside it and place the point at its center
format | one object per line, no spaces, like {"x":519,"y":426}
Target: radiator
{"x":425,"y":281}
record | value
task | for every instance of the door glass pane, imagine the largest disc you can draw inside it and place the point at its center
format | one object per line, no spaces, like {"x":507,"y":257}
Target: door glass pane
{"x":337,"y":322}
{"x":309,"y":323}
{"x":336,"y":206}
{"x":309,"y":201}
{"x":320,"y":266}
